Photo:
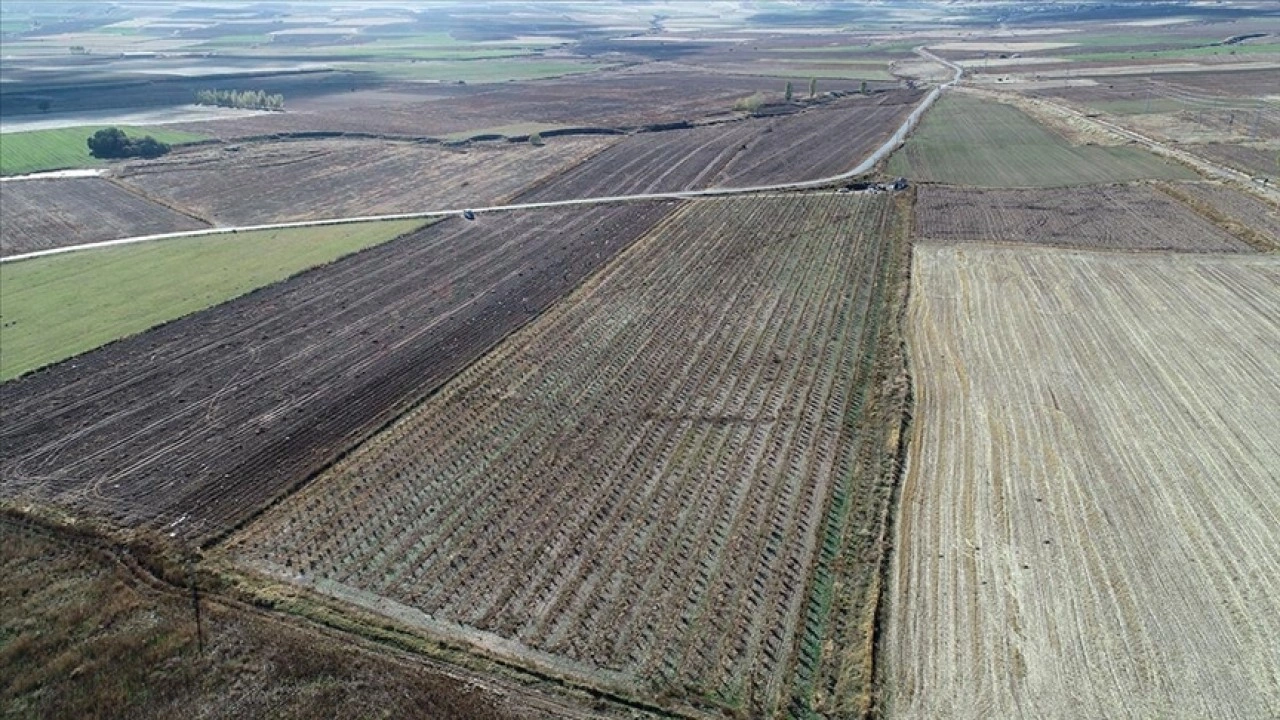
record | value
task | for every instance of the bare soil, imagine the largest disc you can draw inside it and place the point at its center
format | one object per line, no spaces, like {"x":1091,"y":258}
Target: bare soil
{"x":198,"y":423}
{"x":1121,"y":217}
{"x":42,"y":214}
{"x":313,"y":179}
{"x":629,"y":98}
{"x":818,"y":142}
{"x":1254,"y":159}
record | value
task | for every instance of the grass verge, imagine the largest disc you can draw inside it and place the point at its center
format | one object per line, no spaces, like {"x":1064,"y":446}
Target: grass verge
{"x":56,"y":307}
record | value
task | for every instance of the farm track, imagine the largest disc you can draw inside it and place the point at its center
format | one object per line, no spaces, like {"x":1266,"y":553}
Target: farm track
{"x":689,"y":412}
{"x":202,"y":421}
{"x":1088,"y":524}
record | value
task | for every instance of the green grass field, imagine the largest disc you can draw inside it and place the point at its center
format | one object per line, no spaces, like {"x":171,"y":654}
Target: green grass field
{"x":56,"y":307}
{"x":39,"y":150}
{"x":966,"y":140}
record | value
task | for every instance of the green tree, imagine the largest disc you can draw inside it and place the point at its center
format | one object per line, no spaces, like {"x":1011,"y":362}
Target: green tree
{"x":536,"y":140}
{"x":813,"y":88}
{"x":863,"y":88}
{"x":786,"y":94}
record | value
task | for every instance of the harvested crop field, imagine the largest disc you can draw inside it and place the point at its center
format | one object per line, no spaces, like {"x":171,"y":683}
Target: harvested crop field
{"x":1253,"y":159}
{"x":1247,"y":213}
{"x":307,"y":180}
{"x":1088,"y":522}
{"x":201,"y":421}
{"x":43,"y":214}
{"x":667,"y":488}
{"x":1121,"y":217}
{"x":971,"y":140}
{"x":818,"y":143}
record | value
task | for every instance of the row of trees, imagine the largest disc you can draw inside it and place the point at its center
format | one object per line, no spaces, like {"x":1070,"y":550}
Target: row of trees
{"x":113,"y":143}
{"x":247,"y":99}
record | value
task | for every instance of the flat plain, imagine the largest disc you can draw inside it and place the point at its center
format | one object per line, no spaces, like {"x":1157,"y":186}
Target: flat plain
{"x":53,"y":308}
{"x":1121,"y":217}
{"x":43,"y":214}
{"x":252,"y":183}
{"x":654,"y":488}
{"x":1089,"y":518}
{"x":745,"y":153}
{"x":969,"y":140}
{"x":196,"y":423}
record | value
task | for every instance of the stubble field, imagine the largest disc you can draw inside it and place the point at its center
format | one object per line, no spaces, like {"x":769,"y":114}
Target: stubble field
{"x":42,"y":214}
{"x":1088,"y":525}
{"x":1122,"y":217}
{"x":197,"y":423}
{"x":666,"y":488}
{"x":307,"y":180}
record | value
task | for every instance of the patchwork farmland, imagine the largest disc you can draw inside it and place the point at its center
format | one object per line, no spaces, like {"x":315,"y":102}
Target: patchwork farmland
{"x":200,"y":422}
{"x":1123,"y":217}
{"x":1088,"y":515}
{"x":737,"y":154}
{"x":997,"y":442}
{"x":654,"y":488}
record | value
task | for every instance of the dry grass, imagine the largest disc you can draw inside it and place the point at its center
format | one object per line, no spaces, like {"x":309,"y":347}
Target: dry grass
{"x":84,"y":636}
{"x":1089,"y":525}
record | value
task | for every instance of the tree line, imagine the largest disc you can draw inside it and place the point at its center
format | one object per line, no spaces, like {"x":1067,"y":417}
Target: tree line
{"x":246,"y":99}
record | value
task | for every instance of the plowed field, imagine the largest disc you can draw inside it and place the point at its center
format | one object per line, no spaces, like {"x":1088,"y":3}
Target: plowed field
{"x":305,"y":180}
{"x":1120,"y":217}
{"x":1090,"y":516}
{"x":666,"y":487}
{"x":817,"y":143}
{"x":1248,"y":213}
{"x":201,"y":421}
{"x":41,"y":214}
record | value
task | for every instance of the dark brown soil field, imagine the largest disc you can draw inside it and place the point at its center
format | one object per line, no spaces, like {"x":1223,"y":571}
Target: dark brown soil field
{"x":1253,"y":159}
{"x":623,"y":99}
{"x":822,"y":141}
{"x":196,"y":424}
{"x":311,"y":179}
{"x":42,"y":214}
{"x":1130,"y":217}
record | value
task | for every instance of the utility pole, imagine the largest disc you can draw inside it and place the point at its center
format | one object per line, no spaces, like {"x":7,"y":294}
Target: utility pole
{"x":195,"y":603}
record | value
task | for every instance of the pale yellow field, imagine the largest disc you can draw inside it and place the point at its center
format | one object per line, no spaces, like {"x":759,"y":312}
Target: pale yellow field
{"x":1090,"y":517}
